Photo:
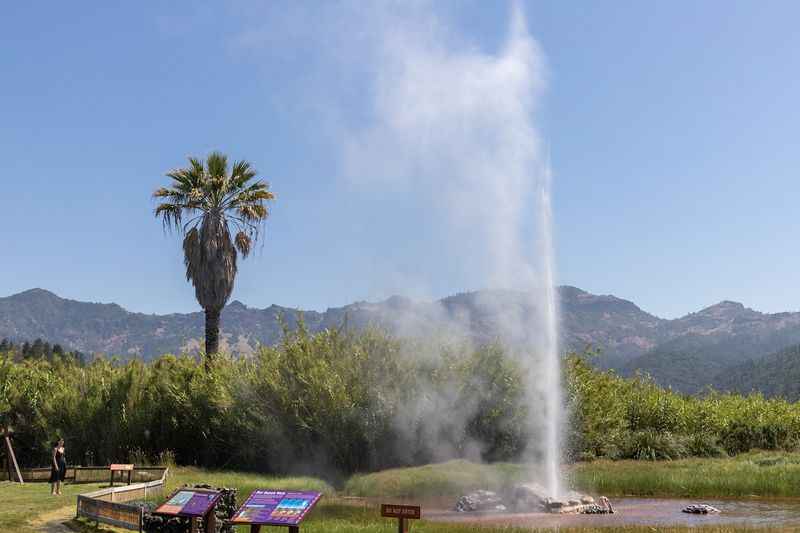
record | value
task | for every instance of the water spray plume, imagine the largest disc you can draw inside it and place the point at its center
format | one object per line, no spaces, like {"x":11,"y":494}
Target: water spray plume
{"x":551,"y":361}
{"x":457,"y":126}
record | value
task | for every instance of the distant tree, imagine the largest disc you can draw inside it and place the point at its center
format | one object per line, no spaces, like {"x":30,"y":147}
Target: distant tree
{"x":218,"y":211}
{"x":78,"y":357}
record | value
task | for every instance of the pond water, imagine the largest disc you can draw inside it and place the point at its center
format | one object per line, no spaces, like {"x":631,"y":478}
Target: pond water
{"x":643,"y":511}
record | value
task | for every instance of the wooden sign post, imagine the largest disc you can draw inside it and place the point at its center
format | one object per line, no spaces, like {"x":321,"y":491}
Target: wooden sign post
{"x":403,"y":513}
{"x":120,"y":468}
{"x":11,"y":459}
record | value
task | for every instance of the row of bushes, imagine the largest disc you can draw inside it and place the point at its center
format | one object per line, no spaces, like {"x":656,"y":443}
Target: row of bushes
{"x":340,"y":402}
{"x":333,"y":403}
{"x":619,"y":418}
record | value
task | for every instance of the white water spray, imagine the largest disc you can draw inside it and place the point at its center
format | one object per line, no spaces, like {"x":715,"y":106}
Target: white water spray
{"x":551,"y":360}
{"x":456,"y":125}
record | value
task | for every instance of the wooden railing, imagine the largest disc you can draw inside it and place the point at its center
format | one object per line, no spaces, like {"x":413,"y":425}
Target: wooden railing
{"x":87,"y":474}
{"x":107,"y":505}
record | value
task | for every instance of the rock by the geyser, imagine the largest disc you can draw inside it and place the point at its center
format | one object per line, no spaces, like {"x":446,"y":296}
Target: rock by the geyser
{"x":530,"y":497}
{"x":700,"y":508}
{"x":601,"y":507}
{"x":480,"y":500}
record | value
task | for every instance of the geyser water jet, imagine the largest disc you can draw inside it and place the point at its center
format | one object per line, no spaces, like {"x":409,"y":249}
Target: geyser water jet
{"x":550,"y":357}
{"x":456,"y":125}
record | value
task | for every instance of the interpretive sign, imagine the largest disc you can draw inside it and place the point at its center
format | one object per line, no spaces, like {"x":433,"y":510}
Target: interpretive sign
{"x":189,"y":502}
{"x":115,"y":514}
{"x":276,"y":508}
{"x":402,"y":513}
{"x":195,"y":504}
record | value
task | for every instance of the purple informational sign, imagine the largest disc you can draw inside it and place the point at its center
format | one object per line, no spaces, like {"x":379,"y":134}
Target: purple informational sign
{"x":276,"y":508}
{"x":189,"y":502}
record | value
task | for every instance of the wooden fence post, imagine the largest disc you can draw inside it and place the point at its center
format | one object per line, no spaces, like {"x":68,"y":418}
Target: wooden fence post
{"x":11,"y":458}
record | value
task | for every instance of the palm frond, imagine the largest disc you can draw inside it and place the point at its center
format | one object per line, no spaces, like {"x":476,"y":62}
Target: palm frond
{"x":241,"y":173}
{"x":192,"y":256}
{"x":253,"y":212}
{"x":217,"y":165}
{"x":170,"y":214}
{"x":196,"y":168}
{"x":243,"y":243}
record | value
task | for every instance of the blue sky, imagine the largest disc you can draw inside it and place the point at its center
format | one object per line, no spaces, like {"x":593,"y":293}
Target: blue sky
{"x":672,"y":127}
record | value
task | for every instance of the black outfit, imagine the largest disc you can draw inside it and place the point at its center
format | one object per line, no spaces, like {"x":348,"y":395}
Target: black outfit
{"x":60,"y":473}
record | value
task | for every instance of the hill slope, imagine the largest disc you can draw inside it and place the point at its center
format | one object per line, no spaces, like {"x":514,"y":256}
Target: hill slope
{"x":615,"y":325}
{"x":702,"y":345}
{"x":687,"y":353}
{"x":777,"y":374}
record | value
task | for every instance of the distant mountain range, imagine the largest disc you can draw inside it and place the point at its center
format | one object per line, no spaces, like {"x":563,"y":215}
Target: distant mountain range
{"x":720,"y":345}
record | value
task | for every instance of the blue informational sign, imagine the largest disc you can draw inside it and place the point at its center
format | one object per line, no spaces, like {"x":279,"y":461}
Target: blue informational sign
{"x":276,"y":508}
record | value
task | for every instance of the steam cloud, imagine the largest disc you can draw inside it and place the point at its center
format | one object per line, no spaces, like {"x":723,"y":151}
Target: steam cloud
{"x":456,"y":125}
{"x":459,"y":124}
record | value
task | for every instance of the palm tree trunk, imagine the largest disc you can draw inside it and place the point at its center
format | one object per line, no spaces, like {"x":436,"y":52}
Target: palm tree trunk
{"x":212,"y":333}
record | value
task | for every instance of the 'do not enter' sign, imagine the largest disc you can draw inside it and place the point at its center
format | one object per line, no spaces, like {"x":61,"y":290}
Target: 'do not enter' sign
{"x":402,"y":513}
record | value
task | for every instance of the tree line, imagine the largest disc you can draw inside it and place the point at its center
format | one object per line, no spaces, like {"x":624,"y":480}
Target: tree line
{"x":339,"y":402}
{"x":40,"y":349}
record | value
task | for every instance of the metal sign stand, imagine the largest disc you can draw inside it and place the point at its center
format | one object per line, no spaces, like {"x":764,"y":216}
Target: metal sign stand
{"x":256,"y":528}
{"x":210,"y":521}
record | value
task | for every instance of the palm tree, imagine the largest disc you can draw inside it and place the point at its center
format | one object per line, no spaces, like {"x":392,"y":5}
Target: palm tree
{"x":207,"y":204}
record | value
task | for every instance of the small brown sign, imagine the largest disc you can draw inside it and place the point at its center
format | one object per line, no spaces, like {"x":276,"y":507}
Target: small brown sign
{"x":120,"y":468}
{"x":412,"y":512}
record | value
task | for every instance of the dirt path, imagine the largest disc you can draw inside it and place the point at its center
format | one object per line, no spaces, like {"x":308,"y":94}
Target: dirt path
{"x":54,"y":521}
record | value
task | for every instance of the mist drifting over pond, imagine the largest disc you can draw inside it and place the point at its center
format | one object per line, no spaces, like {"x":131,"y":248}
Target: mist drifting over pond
{"x":458,"y":123}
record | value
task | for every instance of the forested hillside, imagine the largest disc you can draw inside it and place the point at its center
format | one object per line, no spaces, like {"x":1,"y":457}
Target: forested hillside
{"x":777,"y":374}
{"x":688,"y":354}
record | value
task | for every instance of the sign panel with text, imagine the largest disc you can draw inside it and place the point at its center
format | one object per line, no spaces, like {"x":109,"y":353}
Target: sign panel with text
{"x":189,"y":502}
{"x":276,"y":508}
{"x":411,"y":512}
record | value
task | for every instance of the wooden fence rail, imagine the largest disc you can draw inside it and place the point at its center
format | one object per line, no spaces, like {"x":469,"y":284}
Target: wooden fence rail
{"x":87,"y":474}
{"x":107,"y":505}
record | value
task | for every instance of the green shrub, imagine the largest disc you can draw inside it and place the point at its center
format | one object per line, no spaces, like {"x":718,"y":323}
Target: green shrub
{"x":340,"y":402}
{"x":705,"y":445}
{"x":335,"y":402}
{"x":652,"y":445}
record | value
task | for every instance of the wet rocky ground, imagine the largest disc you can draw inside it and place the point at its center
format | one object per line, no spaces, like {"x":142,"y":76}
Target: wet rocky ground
{"x":638,"y":511}
{"x":531,"y":497}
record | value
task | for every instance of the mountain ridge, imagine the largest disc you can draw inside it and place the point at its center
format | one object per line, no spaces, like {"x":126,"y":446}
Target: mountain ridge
{"x":685,"y":352}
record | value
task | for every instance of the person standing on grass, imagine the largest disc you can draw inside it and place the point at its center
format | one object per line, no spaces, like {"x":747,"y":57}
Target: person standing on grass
{"x":59,"y":469}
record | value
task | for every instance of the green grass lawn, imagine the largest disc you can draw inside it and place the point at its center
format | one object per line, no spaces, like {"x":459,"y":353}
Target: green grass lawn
{"x":20,"y":504}
{"x":760,"y":474}
{"x":756,"y":474}
{"x":245,"y":482}
{"x":452,"y":478}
